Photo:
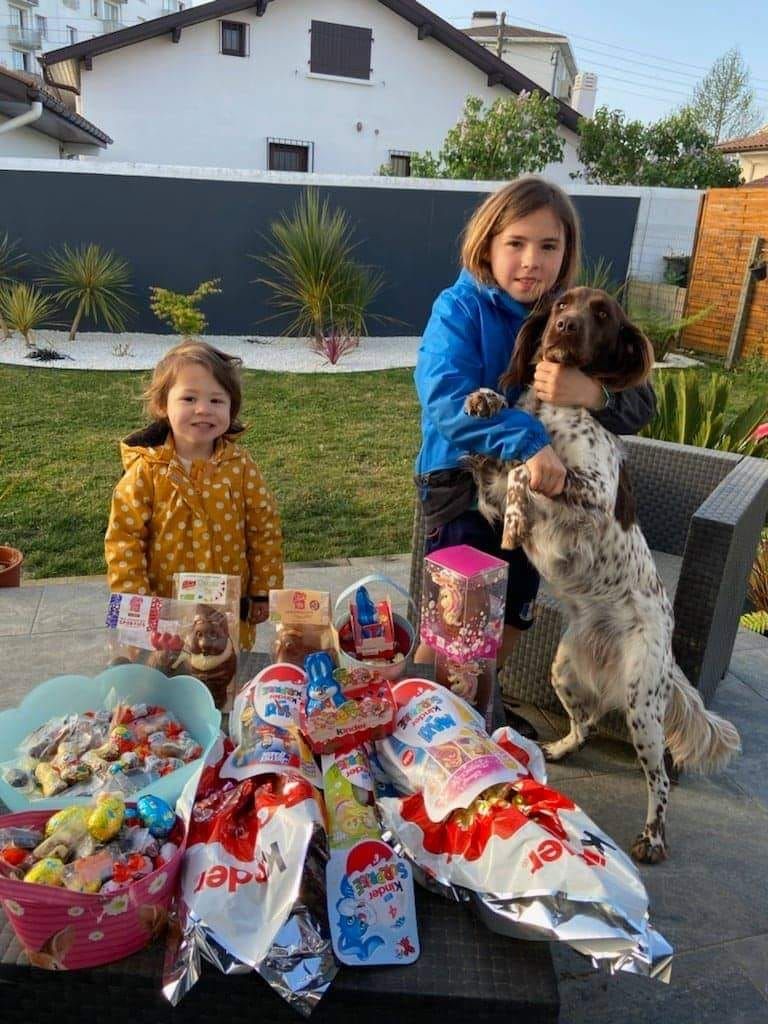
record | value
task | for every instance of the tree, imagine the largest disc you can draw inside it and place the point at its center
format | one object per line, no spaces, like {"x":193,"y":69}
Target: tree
{"x":723,"y":102}
{"x":674,"y":151}
{"x":515,"y":135}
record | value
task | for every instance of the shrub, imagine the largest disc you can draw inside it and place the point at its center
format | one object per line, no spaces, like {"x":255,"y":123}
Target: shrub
{"x":23,"y":308}
{"x":93,"y":280}
{"x":11,"y":260}
{"x":180,"y":311}
{"x":315,"y":281}
{"x":692,"y":410}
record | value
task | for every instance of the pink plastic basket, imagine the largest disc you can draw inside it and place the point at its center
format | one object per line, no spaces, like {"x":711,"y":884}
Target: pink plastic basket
{"x":63,"y":930}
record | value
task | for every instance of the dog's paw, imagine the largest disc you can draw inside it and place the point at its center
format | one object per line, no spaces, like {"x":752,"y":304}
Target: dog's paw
{"x":554,"y":751}
{"x":484,"y":402}
{"x":646,"y":850}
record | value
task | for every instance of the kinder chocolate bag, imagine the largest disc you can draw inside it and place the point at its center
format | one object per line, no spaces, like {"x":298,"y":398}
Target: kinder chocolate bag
{"x":252,"y":893}
{"x":531,"y":863}
{"x":265,"y":726}
{"x":440,"y":749}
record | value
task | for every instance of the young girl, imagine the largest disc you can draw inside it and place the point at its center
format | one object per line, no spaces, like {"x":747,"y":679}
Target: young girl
{"x":190,"y":499}
{"x":520,"y":247}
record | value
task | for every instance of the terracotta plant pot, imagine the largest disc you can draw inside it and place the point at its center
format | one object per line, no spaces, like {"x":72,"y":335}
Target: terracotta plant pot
{"x":10,"y":566}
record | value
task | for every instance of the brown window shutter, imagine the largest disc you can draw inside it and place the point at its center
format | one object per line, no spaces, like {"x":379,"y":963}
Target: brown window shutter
{"x":343,"y":50}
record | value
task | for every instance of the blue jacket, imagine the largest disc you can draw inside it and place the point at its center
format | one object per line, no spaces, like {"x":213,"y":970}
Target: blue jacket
{"x":467,"y":344}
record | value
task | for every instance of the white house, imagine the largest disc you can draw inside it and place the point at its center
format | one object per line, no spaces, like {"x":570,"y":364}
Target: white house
{"x":28,"y":28}
{"x":332,"y":87}
{"x":751,"y":151}
{"x":36,"y":123}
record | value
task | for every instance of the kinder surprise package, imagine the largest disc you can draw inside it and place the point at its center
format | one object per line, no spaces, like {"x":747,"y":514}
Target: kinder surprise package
{"x":476,"y":816}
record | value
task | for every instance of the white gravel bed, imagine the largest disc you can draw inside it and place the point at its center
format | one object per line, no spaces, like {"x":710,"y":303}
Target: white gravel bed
{"x":104,"y":351}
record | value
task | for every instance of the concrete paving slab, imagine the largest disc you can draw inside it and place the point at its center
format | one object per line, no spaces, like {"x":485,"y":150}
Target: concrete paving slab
{"x":80,"y":605}
{"x":18,"y":610}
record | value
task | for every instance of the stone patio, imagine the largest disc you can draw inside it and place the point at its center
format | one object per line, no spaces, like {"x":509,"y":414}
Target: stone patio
{"x":710,"y":900}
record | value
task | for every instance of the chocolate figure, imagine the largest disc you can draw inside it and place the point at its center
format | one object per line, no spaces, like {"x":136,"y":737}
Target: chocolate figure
{"x":208,"y":653}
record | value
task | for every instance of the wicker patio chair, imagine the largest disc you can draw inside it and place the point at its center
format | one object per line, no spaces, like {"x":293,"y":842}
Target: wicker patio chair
{"x":701,"y":512}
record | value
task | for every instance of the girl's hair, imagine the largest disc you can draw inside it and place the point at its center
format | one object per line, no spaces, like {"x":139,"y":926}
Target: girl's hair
{"x":224,"y":367}
{"x":516,"y":200}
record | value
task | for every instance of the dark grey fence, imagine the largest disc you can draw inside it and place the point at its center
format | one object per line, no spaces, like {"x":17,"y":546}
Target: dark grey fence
{"x":176,"y":232}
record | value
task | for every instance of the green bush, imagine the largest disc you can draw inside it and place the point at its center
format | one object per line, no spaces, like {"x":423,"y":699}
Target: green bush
{"x":23,"y":308}
{"x":314,"y":280}
{"x":693,"y":410}
{"x":180,"y":311}
{"x":94,"y":281}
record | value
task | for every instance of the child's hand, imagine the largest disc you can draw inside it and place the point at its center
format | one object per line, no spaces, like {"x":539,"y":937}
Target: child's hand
{"x":547,"y":473}
{"x":258,"y":611}
{"x":566,"y":385}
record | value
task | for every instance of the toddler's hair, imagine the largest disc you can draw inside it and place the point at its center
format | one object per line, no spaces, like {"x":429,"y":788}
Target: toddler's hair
{"x":225,"y":369}
{"x":512,"y":202}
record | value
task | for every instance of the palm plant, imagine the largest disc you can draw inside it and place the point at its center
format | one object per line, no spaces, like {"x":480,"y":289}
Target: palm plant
{"x":23,"y":307}
{"x":599,"y":274}
{"x":314,"y":280}
{"x":691,"y":410}
{"x":11,"y":260}
{"x":93,"y":280}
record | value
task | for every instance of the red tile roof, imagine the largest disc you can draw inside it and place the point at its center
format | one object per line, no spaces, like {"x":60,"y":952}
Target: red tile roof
{"x":747,"y":143}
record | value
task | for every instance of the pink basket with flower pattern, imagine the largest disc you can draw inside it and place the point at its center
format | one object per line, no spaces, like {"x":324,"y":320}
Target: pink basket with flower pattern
{"x":62,"y":930}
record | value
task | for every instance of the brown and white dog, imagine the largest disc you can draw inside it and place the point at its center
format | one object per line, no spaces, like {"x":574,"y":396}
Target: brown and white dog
{"x":616,"y":652}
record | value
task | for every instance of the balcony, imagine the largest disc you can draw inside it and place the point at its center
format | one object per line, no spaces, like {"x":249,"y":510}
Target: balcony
{"x":73,"y":5}
{"x":26,"y":3}
{"x":111,"y":25}
{"x":25,"y":38}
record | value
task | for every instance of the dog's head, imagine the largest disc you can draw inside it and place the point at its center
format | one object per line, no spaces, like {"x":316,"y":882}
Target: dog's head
{"x":585,"y":328}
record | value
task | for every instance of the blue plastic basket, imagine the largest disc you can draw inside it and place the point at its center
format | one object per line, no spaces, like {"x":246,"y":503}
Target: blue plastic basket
{"x":187,"y":698}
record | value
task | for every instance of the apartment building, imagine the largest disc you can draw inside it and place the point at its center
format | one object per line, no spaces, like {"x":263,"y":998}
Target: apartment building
{"x":29,"y":28}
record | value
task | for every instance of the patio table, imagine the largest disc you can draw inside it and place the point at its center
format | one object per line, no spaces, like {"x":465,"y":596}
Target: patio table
{"x":465,"y":973}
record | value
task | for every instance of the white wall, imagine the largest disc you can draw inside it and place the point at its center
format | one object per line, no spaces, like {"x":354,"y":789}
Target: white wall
{"x":25,"y":142}
{"x":666,"y":220}
{"x":186,"y":104}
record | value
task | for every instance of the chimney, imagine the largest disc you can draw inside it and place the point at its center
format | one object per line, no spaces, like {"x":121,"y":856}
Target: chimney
{"x":584,"y":93}
{"x":481,"y":19}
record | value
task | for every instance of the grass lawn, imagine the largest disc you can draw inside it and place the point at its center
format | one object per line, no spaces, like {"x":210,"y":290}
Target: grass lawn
{"x":337,"y":450}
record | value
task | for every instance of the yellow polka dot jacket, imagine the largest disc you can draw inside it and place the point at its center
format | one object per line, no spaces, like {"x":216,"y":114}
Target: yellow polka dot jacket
{"x":218,"y":516}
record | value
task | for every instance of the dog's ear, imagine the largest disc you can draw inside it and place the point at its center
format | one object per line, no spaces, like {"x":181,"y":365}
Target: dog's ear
{"x":633,"y":358}
{"x":520,"y":369}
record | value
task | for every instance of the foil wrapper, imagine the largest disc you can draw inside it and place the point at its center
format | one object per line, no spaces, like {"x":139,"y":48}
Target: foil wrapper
{"x":525,"y":858}
{"x":252,"y":887}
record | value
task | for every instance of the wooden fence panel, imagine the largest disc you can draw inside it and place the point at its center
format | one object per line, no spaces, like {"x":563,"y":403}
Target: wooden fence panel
{"x":730,"y":219}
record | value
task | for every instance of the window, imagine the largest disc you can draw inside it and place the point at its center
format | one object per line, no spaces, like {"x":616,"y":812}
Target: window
{"x":96,"y":8}
{"x":19,"y":60}
{"x":41,"y":24}
{"x":234,"y":38}
{"x":289,"y":155}
{"x":71,"y":34}
{"x":400,"y":163}
{"x":343,"y":50}
{"x":111,"y":11}
{"x":17,"y":17}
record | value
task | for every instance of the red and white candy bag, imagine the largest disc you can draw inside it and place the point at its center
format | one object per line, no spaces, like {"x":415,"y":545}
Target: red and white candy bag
{"x":251,"y":883}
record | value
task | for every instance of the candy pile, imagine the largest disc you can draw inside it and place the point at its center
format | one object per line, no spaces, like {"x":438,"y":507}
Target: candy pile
{"x":98,"y":848}
{"x":124,"y":749}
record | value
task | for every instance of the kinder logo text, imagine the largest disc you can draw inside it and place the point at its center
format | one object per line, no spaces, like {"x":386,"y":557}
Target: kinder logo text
{"x":376,"y":882}
{"x":232,"y":878}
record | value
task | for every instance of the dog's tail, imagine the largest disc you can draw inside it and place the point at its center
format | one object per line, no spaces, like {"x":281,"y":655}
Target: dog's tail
{"x":697,"y":739}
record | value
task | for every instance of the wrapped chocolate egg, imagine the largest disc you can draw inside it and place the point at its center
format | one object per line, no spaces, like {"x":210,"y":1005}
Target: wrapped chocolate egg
{"x":156,"y":815}
{"x":73,"y":815}
{"x":47,"y":871}
{"x":105,"y":820}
